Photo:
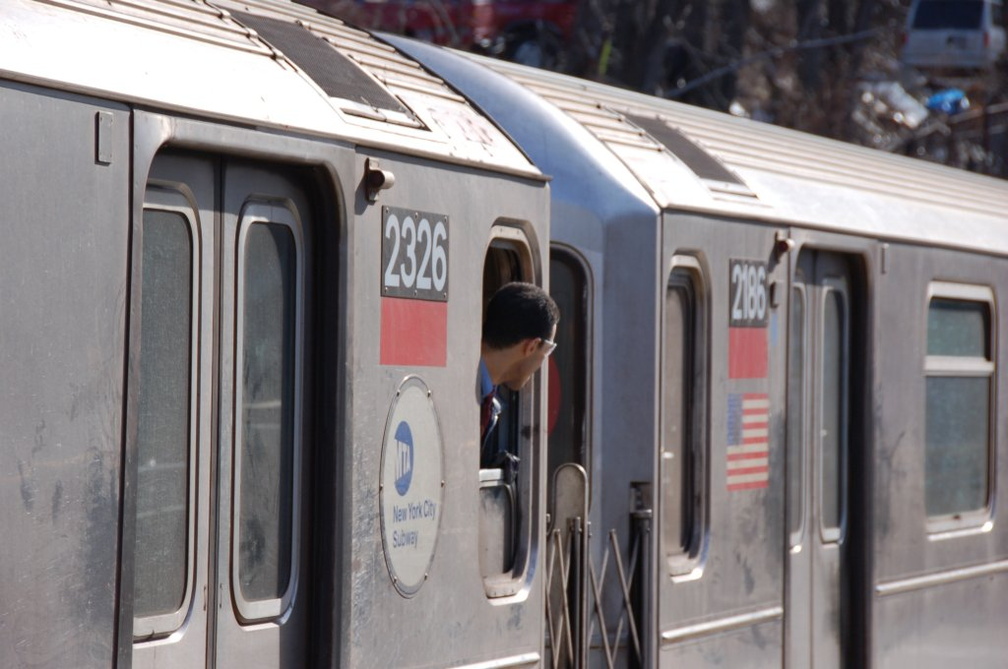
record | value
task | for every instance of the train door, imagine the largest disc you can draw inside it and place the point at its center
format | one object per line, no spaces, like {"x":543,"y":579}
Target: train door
{"x":568,"y":463}
{"x":567,"y":416}
{"x":221,"y":403}
{"x":824,"y":454}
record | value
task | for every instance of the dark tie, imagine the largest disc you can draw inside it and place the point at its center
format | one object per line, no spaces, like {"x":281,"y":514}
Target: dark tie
{"x":486,"y":416}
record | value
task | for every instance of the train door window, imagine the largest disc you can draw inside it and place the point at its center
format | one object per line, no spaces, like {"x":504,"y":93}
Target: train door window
{"x":267,"y":437}
{"x":684,"y":389}
{"x":959,"y":385}
{"x":506,"y":483}
{"x":797,"y":345}
{"x":566,"y":418}
{"x":165,"y":433}
{"x":833,"y":413}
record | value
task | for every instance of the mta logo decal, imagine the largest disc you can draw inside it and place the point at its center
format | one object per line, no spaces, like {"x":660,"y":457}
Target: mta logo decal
{"x":404,"y":458}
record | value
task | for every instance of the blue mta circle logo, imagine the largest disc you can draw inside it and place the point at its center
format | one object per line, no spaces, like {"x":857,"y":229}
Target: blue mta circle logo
{"x":404,"y":458}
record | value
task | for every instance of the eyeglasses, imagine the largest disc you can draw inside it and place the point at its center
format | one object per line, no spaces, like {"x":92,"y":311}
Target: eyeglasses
{"x":550,"y":346}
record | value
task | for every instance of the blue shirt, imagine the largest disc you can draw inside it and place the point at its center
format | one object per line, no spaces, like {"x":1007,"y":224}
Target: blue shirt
{"x":486,"y":389}
{"x":484,"y":384}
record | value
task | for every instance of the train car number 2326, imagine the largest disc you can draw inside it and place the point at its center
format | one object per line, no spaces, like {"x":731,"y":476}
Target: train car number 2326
{"x":414,"y":254}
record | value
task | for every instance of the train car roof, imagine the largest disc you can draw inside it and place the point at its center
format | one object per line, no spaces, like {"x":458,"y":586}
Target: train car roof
{"x":591,"y":187}
{"x":265,"y":63}
{"x":690,"y":158}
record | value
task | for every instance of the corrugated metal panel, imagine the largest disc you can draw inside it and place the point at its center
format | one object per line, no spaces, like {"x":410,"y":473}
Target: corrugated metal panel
{"x":380,"y":60}
{"x":757,"y":145}
{"x":336,"y":74}
{"x":197,"y":57}
{"x":635,"y":137}
{"x":564,"y":93}
{"x":747,"y":147}
{"x":701,"y":161}
{"x":430,"y":105}
{"x":186,"y":18}
{"x":214,"y":21}
{"x":790,"y":178}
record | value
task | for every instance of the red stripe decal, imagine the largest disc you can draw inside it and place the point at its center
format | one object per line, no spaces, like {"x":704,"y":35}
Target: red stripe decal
{"x":739,"y":471}
{"x":747,"y":353}
{"x":414,"y":332}
{"x":752,"y":485}
{"x":751,"y":455}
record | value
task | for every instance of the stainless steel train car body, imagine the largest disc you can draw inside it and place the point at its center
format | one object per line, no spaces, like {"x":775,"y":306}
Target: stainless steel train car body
{"x":175,"y":123}
{"x":160,"y":150}
{"x":856,"y":245}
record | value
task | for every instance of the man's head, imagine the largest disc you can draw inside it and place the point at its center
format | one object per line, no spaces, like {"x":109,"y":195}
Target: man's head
{"x":518,"y":332}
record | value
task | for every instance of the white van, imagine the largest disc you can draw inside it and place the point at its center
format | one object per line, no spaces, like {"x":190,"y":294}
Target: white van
{"x":954,"y":34}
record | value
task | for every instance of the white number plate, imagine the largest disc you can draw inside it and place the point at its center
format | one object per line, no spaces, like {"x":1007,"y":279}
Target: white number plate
{"x":414,"y":254}
{"x":748,"y":294}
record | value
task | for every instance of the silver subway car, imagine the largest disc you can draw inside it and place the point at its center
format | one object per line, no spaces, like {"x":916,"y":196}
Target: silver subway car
{"x":245,"y":252}
{"x":246,"y":248}
{"x":777,"y":434}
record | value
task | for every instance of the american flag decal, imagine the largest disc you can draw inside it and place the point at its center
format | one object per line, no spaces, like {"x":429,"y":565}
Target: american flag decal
{"x":748,"y":441}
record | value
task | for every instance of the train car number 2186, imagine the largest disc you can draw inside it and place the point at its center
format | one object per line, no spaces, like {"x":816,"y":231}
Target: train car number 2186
{"x":748,"y":294}
{"x":414,"y":254}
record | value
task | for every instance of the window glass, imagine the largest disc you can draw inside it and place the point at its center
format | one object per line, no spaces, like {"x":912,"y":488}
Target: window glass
{"x":267,"y":411}
{"x":163,"y":396}
{"x":956,"y":453}
{"x":677,"y":485}
{"x":957,"y":327}
{"x":939,"y":14}
{"x":959,"y":383}
{"x":833,"y":436}
{"x":796,"y":416}
{"x":684,"y":388}
{"x":565,"y":420}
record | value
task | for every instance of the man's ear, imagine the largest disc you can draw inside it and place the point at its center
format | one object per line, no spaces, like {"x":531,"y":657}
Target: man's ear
{"x":529,"y":346}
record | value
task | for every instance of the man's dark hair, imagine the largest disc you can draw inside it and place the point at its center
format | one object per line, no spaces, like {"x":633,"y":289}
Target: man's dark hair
{"x":519,"y":311}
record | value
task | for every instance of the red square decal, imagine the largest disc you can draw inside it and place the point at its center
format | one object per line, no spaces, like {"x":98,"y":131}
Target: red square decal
{"x":747,"y":353}
{"x":414,"y":332}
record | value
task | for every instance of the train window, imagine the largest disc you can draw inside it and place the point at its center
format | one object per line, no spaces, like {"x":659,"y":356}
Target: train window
{"x":503,"y":264}
{"x":684,"y":387}
{"x":164,"y":511}
{"x":833,"y":407}
{"x":566,"y":421}
{"x":267,"y":436}
{"x":959,"y":385}
{"x":507,"y":493}
{"x":797,"y":344}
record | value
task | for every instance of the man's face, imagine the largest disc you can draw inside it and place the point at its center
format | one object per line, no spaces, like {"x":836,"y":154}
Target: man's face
{"x":532,"y":353}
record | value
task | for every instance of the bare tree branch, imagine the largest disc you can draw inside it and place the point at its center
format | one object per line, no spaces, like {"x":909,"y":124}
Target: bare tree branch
{"x":771,"y":54}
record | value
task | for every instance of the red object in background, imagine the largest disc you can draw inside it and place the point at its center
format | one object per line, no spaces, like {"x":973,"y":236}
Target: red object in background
{"x":486,"y":25}
{"x":554,"y":395}
{"x":492,"y":20}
